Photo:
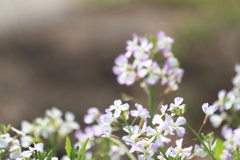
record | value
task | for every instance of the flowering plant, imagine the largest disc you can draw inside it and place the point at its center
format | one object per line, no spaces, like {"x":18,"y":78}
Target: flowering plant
{"x":150,"y":132}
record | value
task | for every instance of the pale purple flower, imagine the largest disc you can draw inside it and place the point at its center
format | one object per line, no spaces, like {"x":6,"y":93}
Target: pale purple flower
{"x":177,"y":104}
{"x":141,"y":112}
{"x":124,"y":70}
{"x":150,"y":70}
{"x":139,"y":57}
{"x":236,"y":133}
{"x":198,"y":152}
{"x":164,"y":42}
{"x":107,"y":130}
{"x":172,"y":62}
{"x":158,"y":134}
{"x":231,"y":140}
{"x":157,"y":119}
{"x":208,"y":110}
{"x":176,"y":126}
{"x":118,"y":107}
{"x":37,"y":147}
{"x":183,"y":152}
{"x":116,"y":152}
{"x":148,"y":152}
{"x":145,"y":46}
{"x":227,"y":154}
{"x":26,"y":154}
{"x":92,"y":115}
{"x":164,"y":109}
{"x":132,"y":46}
{"x":127,"y":78}
{"x":83,"y":136}
{"x":106,"y":119}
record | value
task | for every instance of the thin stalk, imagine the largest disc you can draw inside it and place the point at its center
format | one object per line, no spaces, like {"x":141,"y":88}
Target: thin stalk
{"x":201,"y":128}
{"x":189,"y":141}
{"x":150,"y":102}
{"x":201,"y":141}
{"x":235,"y":116}
{"x":133,"y":121}
{"x":120,"y":144}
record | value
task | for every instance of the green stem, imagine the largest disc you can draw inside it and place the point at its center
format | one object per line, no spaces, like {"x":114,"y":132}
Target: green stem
{"x":124,"y":119}
{"x":150,"y":102}
{"x":120,"y":144}
{"x":201,"y":128}
{"x":189,"y":141}
{"x":235,"y":116}
{"x":201,"y":141}
{"x":163,"y":153}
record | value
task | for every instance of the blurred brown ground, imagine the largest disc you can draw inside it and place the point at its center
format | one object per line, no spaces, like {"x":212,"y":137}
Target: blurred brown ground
{"x":63,"y":56}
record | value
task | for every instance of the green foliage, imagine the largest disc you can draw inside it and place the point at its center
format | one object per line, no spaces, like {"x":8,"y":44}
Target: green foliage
{"x":82,"y":151}
{"x":219,"y":148}
{"x":73,"y":153}
{"x":44,"y":156}
{"x":4,"y":129}
{"x":68,"y":146}
{"x":208,"y":137}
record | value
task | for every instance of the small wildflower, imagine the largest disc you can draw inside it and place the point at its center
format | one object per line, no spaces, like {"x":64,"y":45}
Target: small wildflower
{"x":118,"y":107}
{"x":208,"y":110}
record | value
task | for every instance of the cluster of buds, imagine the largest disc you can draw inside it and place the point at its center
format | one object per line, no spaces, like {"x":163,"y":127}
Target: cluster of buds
{"x":142,"y":62}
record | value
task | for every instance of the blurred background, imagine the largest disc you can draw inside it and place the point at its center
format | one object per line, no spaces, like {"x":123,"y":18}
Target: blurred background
{"x":61,"y":52}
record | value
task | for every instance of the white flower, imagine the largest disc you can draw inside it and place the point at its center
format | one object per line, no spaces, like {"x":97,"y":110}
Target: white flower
{"x":116,"y":152}
{"x":172,"y":126}
{"x":141,"y":112}
{"x":54,"y":113}
{"x":216,"y":119}
{"x":147,"y":153}
{"x":208,"y":110}
{"x":184,"y":152}
{"x":93,"y":114}
{"x":37,"y":147}
{"x":26,"y":141}
{"x":69,"y":125}
{"x":118,"y":107}
{"x":27,"y":127}
{"x":158,"y":134}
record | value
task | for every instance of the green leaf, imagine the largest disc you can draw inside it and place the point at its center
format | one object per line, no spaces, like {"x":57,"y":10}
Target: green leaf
{"x":219,"y":148}
{"x":68,"y":146}
{"x":82,"y":151}
{"x":49,"y":155}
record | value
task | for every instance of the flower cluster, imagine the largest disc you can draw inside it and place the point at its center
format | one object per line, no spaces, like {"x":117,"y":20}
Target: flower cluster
{"x":91,"y":132}
{"x":51,"y":126}
{"x":149,"y":133}
{"x":148,"y":137}
{"x":9,"y":145}
{"x":228,"y":104}
{"x":141,"y":62}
